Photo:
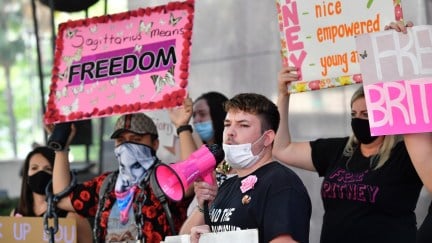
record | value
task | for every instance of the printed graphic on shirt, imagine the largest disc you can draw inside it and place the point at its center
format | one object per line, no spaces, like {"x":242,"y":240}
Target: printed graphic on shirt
{"x":119,"y":232}
{"x":346,"y":185}
{"x":222,"y":218}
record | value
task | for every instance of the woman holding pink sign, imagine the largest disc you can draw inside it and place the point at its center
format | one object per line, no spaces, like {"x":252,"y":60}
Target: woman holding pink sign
{"x":370,"y":187}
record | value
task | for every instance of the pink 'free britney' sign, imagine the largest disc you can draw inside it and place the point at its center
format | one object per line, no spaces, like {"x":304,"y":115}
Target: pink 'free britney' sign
{"x":121,"y":63}
{"x":397,"y":77}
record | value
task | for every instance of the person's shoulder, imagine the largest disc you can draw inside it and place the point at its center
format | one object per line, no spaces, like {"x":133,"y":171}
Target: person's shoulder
{"x":400,"y":143}
{"x":283,"y":177}
{"x":98,"y":181}
{"x":399,"y":148}
{"x":334,"y":140}
{"x":104,"y":176}
{"x":276,"y":169}
{"x":328,"y":144}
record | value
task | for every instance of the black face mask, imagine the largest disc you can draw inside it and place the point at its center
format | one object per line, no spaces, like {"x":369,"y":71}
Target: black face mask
{"x":361,"y":130}
{"x":39,"y":181}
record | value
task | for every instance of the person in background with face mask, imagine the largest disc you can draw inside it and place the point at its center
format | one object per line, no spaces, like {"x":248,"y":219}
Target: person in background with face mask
{"x":370,"y":187}
{"x":263,"y":194}
{"x":123,"y":202}
{"x":36,"y":175}
{"x":208,"y":117}
{"x":208,"y":120}
{"x":208,"y":114}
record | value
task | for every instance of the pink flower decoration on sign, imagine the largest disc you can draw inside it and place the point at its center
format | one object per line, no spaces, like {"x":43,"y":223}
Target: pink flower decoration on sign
{"x":248,"y":183}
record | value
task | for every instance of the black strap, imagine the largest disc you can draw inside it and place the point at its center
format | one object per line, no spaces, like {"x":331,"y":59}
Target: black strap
{"x":207,"y":214}
{"x":105,"y":182}
{"x":184,"y":128}
{"x":162,"y":198}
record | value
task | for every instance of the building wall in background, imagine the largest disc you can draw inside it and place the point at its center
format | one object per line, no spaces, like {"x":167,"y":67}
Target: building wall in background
{"x":235,"y":48}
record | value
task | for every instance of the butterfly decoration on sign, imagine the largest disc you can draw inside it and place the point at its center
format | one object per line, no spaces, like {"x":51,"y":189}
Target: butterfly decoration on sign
{"x":67,"y":109}
{"x":75,"y":57}
{"x":64,"y":75}
{"x":78,"y":89}
{"x":111,"y":96}
{"x":113,"y":81}
{"x":94,"y":101}
{"x":173,"y":21}
{"x":143,"y":27}
{"x":129,"y":25}
{"x":61,"y":93}
{"x":160,"y":81}
{"x":93,"y":29}
{"x":363,"y":55}
{"x":137,"y":48}
{"x":129,"y":87}
{"x":68,"y":60}
{"x":70,"y":33}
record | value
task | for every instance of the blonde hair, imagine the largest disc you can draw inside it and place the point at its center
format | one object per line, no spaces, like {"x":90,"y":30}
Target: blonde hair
{"x":378,"y":160}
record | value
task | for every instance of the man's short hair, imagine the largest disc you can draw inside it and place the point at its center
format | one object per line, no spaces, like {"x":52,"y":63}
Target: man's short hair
{"x":256,"y":104}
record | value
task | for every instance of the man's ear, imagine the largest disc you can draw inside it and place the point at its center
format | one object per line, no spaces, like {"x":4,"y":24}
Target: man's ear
{"x":269,"y":137}
{"x":155,"y":144}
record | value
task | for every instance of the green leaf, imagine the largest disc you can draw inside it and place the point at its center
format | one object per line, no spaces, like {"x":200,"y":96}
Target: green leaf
{"x":369,"y":3}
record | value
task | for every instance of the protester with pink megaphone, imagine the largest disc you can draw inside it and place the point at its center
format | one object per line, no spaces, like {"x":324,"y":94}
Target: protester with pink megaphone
{"x":264,"y":194}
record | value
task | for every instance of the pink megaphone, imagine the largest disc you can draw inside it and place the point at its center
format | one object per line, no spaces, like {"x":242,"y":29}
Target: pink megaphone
{"x":175,"y":178}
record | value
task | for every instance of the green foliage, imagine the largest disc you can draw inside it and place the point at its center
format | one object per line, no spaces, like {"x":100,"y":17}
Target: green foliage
{"x":18,"y":52}
{"x":7,"y":205}
{"x":11,"y":42}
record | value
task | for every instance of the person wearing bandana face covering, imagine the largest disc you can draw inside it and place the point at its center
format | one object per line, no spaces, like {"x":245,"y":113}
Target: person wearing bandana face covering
{"x":370,"y":186}
{"x":264,"y":194}
{"x":36,"y":174}
{"x":123,"y":203}
{"x":135,"y":160}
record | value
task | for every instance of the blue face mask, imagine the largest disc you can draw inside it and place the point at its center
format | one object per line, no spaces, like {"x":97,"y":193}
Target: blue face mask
{"x":205,"y":130}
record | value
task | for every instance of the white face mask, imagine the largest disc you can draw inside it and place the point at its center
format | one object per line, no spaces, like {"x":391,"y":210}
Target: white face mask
{"x":240,"y":156}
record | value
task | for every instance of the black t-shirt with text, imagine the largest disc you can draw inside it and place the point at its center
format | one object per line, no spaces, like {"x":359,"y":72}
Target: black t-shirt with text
{"x":278,"y":204}
{"x":362,"y":204}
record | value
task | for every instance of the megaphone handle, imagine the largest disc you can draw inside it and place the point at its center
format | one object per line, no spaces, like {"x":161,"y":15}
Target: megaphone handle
{"x":207,"y":214}
{"x":209,"y":178}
